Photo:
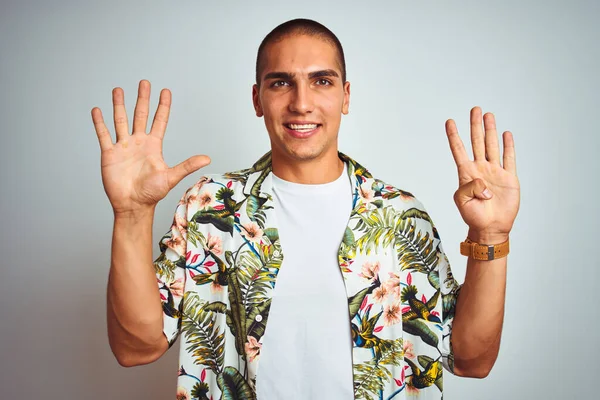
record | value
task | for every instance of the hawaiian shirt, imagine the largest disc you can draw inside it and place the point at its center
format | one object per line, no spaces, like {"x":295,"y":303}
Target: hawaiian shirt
{"x":218,"y":269}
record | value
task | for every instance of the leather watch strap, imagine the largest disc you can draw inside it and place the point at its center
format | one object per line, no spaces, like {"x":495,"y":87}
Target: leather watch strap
{"x":483,"y":252}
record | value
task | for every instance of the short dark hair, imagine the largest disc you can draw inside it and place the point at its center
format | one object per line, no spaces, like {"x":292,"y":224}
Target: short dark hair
{"x":300,"y":26}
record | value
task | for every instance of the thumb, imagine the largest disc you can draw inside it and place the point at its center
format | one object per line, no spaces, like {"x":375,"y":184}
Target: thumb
{"x":474,"y":189}
{"x":183,"y":169}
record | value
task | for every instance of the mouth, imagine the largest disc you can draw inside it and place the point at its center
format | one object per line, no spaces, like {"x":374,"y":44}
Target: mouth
{"x":301,"y":130}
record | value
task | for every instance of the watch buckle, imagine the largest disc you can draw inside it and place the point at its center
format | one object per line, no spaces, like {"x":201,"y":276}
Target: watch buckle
{"x":490,"y":252}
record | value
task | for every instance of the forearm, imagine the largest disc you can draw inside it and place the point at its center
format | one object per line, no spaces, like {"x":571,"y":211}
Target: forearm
{"x":477,"y":325}
{"x":134,"y":310}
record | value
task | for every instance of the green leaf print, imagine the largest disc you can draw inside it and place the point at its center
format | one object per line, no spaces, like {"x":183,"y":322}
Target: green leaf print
{"x":194,"y":236}
{"x":368,"y":380}
{"x":371,"y":377}
{"x":272,"y":234}
{"x":434,"y":278}
{"x":348,"y":238}
{"x":220,"y":219}
{"x":166,"y":268}
{"x":256,"y":276}
{"x":255,"y":211}
{"x":380,"y":225}
{"x":217,"y":306}
{"x":238,"y":313}
{"x":415,"y":251}
{"x":418,"y":327}
{"x":200,"y":390}
{"x":416,"y":213}
{"x":203,"y":337}
{"x":355,"y":301}
{"x":233,"y":385}
{"x":257,"y":328}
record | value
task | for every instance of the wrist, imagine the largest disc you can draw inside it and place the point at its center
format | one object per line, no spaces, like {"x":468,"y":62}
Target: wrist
{"x":486,"y":237}
{"x":135,"y":215}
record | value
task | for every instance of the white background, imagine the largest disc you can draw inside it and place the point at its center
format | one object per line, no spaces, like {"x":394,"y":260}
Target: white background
{"x":411,"y":65}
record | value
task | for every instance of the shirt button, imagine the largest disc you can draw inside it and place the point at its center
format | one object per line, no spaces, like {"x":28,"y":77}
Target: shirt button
{"x":258,"y":318}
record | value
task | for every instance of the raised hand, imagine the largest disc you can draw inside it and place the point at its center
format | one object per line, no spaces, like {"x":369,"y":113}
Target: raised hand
{"x":488,"y":195}
{"x":134,"y":173}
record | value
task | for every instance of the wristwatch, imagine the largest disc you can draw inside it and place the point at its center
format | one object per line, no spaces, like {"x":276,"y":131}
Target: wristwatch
{"x":483,"y":252}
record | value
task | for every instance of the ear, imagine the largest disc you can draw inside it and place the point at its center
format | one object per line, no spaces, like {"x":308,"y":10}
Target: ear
{"x":346,"y":103}
{"x":256,"y":100}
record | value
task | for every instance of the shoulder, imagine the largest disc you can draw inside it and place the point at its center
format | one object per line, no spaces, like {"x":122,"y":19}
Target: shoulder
{"x":212,"y":183}
{"x":379,"y":191}
{"x":404,"y":203}
{"x":399,"y":198}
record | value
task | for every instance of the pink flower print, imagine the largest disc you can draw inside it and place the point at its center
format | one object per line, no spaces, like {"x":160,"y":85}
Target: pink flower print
{"x":379,"y":294}
{"x":252,"y":232}
{"x":180,"y":222}
{"x":410,"y":389}
{"x":182,"y":393}
{"x":214,"y":244}
{"x":206,"y":199}
{"x":215,"y":287}
{"x":252,"y":348}
{"x":392,"y":286}
{"x":392,"y":314}
{"x":366,"y":193}
{"x":408,"y":348}
{"x":176,"y":287}
{"x":181,"y":225}
{"x":192,"y":198}
{"x":405,"y":196}
{"x":176,"y":241}
{"x":369,"y":270}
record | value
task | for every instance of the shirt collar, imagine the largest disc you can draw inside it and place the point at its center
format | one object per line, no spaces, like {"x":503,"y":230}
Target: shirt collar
{"x":259,"y":177}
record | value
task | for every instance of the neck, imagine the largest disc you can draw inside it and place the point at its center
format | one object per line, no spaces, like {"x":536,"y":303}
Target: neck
{"x":323,"y":169}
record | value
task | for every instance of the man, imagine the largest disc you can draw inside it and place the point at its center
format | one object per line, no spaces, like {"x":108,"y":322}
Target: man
{"x":347,"y":270}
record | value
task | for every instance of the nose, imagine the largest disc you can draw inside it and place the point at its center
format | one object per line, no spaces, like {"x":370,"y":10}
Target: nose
{"x":302,"y":101}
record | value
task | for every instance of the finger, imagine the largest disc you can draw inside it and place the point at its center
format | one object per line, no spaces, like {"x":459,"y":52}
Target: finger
{"x":477,"y":135}
{"x":491,"y":139}
{"x":456,"y":145}
{"x":101,"y":130}
{"x":161,"y":118}
{"x":509,"y":161}
{"x":140,"y":115}
{"x":183,"y":169}
{"x":476,"y":189}
{"x":120,"y":114}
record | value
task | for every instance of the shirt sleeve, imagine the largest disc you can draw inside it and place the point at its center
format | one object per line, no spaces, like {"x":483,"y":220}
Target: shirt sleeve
{"x":170,"y":271}
{"x":449,"y":289}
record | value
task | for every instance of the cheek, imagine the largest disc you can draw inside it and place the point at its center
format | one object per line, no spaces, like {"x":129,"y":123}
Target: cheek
{"x":273,"y":108}
{"x":332,"y":105}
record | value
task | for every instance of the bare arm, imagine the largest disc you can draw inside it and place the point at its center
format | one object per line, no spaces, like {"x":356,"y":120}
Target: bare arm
{"x":134,"y":309}
{"x":488,"y":200}
{"x":477,"y":326}
{"x":135,"y":179}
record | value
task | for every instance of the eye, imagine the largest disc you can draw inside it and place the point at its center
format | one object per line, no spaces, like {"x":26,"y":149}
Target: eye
{"x":279,"y":83}
{"x":323,"y":82}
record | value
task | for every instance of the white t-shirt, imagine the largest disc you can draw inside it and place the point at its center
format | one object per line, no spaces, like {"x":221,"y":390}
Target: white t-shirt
{"x":307,"y":346}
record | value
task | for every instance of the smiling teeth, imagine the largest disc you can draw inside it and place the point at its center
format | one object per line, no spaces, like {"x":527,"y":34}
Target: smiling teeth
{"x":306,"y":127}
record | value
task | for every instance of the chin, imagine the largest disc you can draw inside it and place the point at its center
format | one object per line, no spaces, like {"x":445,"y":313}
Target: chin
{"x":304,"y":153}
{"x":302,"y":149}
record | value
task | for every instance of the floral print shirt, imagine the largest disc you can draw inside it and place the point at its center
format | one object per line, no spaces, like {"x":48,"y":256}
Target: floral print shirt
{"x":218,"y":268}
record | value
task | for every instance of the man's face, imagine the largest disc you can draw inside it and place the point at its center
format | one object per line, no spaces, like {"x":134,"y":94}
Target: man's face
{"x":301,"y":97}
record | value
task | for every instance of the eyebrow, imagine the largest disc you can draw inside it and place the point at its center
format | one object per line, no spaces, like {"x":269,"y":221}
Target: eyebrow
{"x":289,"y":76}
{"x":325,"y":72}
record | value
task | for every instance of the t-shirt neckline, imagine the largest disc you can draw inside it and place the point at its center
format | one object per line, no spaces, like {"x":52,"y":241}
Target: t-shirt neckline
{"x":299,"y":188}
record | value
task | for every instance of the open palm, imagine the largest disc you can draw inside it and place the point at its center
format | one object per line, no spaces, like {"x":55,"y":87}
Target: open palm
{"x":134,"y":173}
{"x":493,"y":215}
